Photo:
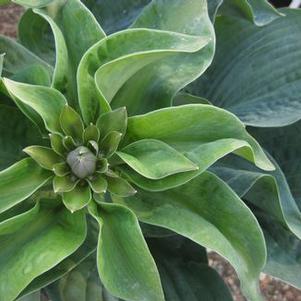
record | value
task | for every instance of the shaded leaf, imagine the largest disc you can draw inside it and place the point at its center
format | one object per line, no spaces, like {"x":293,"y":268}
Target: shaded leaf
{"x":77,"y":198}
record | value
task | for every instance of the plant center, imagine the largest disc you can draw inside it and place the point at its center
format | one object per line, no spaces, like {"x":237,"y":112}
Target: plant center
{"x":82,"y":162}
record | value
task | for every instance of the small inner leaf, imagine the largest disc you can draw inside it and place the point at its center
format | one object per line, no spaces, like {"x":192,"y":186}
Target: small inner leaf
{"x":78,"y":198}
{"x":91,"y":133}
{"x":57,"y":145}
{"x":120,"y":186}
{"x":112,"y":121}
{"x":98,"y":184}
{"x":102,"y":165}
{"x":64,"y":184}
{"x":44,"y":156}
{"x":69,"y":143}
{"x":72,"y":124}
{"x":61,"y":169}
{"x":110,"y":143}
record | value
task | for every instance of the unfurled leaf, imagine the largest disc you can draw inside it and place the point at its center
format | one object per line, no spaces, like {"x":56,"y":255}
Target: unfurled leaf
{"x":46,"y":102}
{"x":77,"y":198}
{"x":71,"y":124}
{"x":64,"y":183}
{"x":110,"y":143}
{"x":52,"y":234}
{"x":208,"y":212}
{"x":44,"y":156}
{"x":154,"y":159}
{"x":56,"y":141}
{"x":20,"y":181}
{"x":91,"y":133}
{"x":125,"y":264}
{"x":61,"y":169}
{"x":98,"y":184}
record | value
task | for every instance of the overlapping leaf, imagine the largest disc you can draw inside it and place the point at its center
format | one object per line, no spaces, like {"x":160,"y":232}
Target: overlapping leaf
{"x":255,"y":73}
{"x":208,"y":212}
{"x":52,"y":234}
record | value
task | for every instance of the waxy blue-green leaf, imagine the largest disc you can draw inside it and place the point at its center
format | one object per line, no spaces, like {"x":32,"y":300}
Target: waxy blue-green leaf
{"x":20,"y":181}
{"x":45,"y":102}
{"x":77,"y":198}
{"x":204,"y":133}
{"x":141,"y":48}
{"x":16,"y":132}
{"x":117,"y":15}
{"x":155,"y":159}
{"x":276,"y":209}
{"x":52,"y":234}
{"x":268,"y":97}
{"x":184,"y":271}
{"x":44,"y":156}
{"x":18,"y":58}
{"x":120,"y":244}
{"x":208,"y":212}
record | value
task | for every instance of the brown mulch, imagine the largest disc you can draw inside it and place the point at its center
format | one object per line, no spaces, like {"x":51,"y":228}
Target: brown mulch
{"x":272,"y":289}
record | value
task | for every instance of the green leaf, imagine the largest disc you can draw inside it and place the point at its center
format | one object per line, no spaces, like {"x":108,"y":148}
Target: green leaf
{"x":20,"y":181}
{"x":16,"y":132}
{"x":120,"y":244}
{"x":32,"y":297}
{"x":34,"y":32}
{"x":270,"y":98}
{"x":69,"y":143}
{"x":46,"y":102}
{"x":63,"y":268}
{"x":1,"y":62}
{"x":119,"y":186}
{"x":72,"y":124}
{"x":147,"y":60}
{"x":57,"y":145}
{"x":77,"y":198}
{"x":208,"y":212}
{"x":155,"y":159}
{"x":82,"y":284}
{"x":18,"y":58}
{"x":203,"y":133}
{"x":115,"y":16}
{"x":110,"y":143}
{"x":112,"y":121}
{"x":64,"y":183}
{"x":91,"y":133}
{"x":44,"y":156}
{"x":98,"y":184}
{"x":33,"y":3}
{"x":52,"y":234}
{"x":184,"y":275}
{"x":61,"y":169}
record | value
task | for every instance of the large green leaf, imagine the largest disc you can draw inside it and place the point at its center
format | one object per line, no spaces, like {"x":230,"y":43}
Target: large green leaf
{"x":52,"y":234}
{"x":33,"y":3}
{"x":148,"y":59}
{"x":208,"y":212}
{"x":203,"y":133}
{"x":18,"y":59}
{"x":38,"y":102}
{"x":185,"y":275}
{"x":109,"y":66}
{"x":117,"y":15}
{"x":82,"y":284}
{"x":16,"y":132}
{"x":267,"y":91}
{"x":125,"y":264}
{"x":155,"y":159}
{"x":276,"y":209}
{"x":20,"y":181}
{"x":67,"y":265}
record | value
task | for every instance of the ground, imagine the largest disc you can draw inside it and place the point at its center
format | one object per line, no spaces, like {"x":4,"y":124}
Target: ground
{"x":272,"y":289}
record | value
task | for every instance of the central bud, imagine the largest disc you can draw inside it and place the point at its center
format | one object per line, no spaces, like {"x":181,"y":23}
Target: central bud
{"x":82,"y":162}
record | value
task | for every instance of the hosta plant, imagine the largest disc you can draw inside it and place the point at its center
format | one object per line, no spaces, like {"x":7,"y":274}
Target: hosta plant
{"x":122,"y":158}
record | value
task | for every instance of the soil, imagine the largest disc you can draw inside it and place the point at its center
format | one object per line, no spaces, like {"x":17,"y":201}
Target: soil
{"x":272,"y":289}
